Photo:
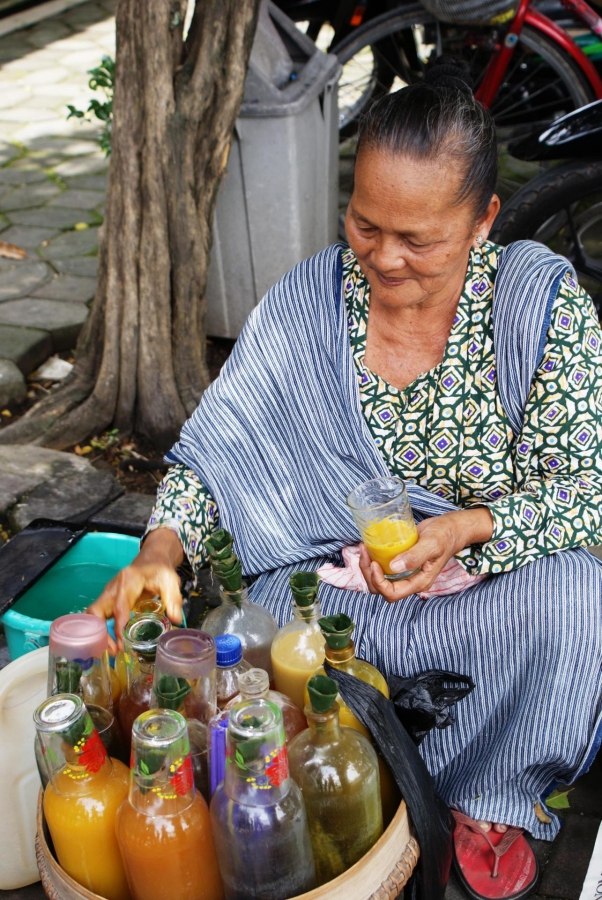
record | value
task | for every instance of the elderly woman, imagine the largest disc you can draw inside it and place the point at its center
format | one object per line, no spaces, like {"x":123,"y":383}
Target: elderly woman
{"x":473,"y":373}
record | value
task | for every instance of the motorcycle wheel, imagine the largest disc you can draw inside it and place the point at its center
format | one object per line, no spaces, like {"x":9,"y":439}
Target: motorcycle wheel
{"x":562,"y":208}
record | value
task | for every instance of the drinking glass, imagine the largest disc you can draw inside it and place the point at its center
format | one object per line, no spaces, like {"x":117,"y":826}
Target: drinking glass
{"x":383,"y":515}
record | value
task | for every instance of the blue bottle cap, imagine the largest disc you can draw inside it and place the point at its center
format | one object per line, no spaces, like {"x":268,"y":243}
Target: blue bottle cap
{"x":229,"y":650}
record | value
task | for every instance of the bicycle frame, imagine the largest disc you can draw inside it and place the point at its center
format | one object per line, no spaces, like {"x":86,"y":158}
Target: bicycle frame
{"x":527,"y":14}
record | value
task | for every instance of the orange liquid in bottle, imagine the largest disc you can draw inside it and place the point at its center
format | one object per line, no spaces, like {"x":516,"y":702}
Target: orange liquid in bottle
{"x":81,"y":820}
{"x":169,"y":855}
{"x":388,"y":538}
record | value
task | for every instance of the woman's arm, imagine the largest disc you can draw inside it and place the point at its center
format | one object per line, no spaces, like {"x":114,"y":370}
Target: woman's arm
{"x":184,"y":516}
{"x":558,"y":455}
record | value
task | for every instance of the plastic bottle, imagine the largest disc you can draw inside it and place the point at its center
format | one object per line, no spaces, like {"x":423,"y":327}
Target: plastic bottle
{"x":257,"y":812}
{"x":230,"y":664}
{"x":298,"y":648}
{"x":140,"y":637}
{"x":340,"y":653}
{"x":185,"y":681}
{"x":152,"y":605}
{"x":78,"y":663}
{"x":255,"y":685}
{"x":81,"y":801}
{"x":337,"y":771}
{"x":253,"y":624}
{"x":22,"y":687}
{"x":163,"y":827}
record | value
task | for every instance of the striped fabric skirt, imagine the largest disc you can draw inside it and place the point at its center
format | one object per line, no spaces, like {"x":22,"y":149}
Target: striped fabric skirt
{"x":531,"y":640}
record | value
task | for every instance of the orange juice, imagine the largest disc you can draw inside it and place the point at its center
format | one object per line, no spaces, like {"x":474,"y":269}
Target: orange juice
{"x":169,"y":855}
{"x":295,"y":657}
{"x":81,"y":820}
{"x":387,"y":539}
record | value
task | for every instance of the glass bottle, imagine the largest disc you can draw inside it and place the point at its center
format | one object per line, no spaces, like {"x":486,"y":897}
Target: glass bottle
{"x":230,"y":665}
{"x":152,"y":605}
{"x":340,"y":653}
{"x":337,"y":771}
{"x":78,"y":663}
{"x":298,"y":648}
{"x":163,"y":827}
{"x":257,"y":812}
{"x":185,"y":681}
{"x":252,"y":623}
{"x":81,"y":801}
{"x":255,"y":685}
{"x":140,"y":637}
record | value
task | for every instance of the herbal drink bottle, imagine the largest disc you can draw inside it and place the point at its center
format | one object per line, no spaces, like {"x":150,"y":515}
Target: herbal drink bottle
{"x":255,"y":685}
{"x":81,"y":801}
{"x":140,"y":637}
{"x":152,"y":605}
{"x":340,"y":653}
{"x":230,"y":665}
{"x":163,"y":826}
{"x":337,"y":771}
{"x":78,"y":663}
{"x":257,"y":812}
{"x":185,"y":681}
{"x":252,"y":623}
{"x":298,"y":648}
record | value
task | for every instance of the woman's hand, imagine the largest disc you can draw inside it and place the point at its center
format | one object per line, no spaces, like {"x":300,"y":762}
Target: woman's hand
{"x":439,"y":539}
{"x":152,"y":573}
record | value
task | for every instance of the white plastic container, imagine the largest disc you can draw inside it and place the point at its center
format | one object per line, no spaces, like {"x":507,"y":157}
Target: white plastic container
{"x":22,"y":689}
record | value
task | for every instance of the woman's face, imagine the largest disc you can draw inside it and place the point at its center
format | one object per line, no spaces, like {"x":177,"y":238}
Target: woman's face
{"x":409,"y":234}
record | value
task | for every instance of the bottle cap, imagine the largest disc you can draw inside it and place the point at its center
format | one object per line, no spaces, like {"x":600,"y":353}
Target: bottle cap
{"x":229,"y":650}
{"x":337,"y":630}
{"x":78,"y":636}
{"x":304,"y":586}
{"x":322,"y":693}
{"x":253,"y":683}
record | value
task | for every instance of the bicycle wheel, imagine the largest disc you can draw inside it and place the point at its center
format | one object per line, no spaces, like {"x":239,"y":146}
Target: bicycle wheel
{"x":541,"y":83}
{"x":563,"y":209}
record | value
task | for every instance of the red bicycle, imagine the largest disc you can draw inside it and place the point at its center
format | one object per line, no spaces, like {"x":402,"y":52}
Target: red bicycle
{"x":528,"y":71}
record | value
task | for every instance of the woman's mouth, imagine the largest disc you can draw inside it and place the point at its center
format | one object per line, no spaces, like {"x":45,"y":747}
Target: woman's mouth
{"x":388,"y":281}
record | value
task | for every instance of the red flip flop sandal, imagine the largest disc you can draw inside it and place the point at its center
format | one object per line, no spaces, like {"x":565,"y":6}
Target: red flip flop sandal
{"x":490,"y":865}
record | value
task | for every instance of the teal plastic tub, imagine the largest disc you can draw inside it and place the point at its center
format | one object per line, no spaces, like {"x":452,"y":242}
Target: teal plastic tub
{"x":74,"y":582}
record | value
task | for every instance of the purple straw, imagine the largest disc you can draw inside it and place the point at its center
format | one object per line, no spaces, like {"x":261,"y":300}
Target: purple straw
{"x":217,"y":759}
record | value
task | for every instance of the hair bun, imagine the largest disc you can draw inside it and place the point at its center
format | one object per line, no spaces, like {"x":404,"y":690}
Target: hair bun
{"x":448,"y":71}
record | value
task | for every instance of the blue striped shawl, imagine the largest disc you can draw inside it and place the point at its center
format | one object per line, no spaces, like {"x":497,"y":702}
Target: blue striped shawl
{"x":280,"y":438}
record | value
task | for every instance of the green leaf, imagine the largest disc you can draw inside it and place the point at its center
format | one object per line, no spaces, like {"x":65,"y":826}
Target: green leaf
{"x":240,"y":761}
{"x":559,"y":799}
{"x":144,"y":768}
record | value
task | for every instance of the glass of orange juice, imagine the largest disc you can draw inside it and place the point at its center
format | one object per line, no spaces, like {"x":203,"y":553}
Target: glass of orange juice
{"x":383,"y":515}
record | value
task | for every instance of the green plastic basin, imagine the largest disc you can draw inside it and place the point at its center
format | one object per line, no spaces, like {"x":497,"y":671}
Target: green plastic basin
{"x":69,"y":586}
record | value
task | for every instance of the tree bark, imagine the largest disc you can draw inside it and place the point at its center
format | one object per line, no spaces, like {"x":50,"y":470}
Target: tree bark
{"x":140,"y":359}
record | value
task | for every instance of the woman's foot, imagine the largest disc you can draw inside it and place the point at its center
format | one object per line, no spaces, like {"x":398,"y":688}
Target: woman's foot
{"x":493,"y":862}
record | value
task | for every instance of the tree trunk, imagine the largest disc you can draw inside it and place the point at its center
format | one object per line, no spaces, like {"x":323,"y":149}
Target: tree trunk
{"x":140,"y":359}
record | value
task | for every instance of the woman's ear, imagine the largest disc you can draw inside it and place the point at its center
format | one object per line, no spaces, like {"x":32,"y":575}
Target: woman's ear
{"x":485,"y":225}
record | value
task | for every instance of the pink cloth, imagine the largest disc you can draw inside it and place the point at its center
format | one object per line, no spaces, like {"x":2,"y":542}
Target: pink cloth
{"x":451,"y":579}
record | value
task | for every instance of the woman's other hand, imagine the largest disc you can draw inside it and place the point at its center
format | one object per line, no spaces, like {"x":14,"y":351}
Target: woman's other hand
{"x":439,"y":539}
{"x":151,"y":574}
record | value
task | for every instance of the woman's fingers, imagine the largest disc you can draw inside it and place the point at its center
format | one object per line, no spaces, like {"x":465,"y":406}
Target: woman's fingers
{"x":366,"y":570}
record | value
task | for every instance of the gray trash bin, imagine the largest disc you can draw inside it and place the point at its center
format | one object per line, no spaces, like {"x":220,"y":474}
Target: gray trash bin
{"x":278,"y":202}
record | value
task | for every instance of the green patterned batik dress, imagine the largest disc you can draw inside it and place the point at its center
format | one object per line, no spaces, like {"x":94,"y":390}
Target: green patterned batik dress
{"x":449,"y":433}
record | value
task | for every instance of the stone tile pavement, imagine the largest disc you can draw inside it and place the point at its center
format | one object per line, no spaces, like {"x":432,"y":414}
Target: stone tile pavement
{"x":52,"y":187}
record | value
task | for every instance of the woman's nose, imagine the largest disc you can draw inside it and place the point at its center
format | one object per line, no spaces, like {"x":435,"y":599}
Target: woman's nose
{"x":387,"y":256}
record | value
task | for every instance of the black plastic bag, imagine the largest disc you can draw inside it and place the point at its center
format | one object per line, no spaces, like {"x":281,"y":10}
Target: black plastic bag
{"x":423,"y":702}
{"x":430,"y":815}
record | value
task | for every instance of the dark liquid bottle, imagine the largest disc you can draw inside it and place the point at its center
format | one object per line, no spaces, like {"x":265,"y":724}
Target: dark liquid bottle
{"x":140,"y":636}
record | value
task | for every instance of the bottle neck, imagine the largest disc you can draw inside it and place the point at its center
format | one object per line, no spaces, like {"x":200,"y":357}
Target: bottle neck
{"x":162,"y":776}
{"x":340,"y":658}
{"x":257,"y":770}
{"x":309,"y":614}
{"x":323,"y":727}
{"x":255,"y":694}
{"x":235,"y":598}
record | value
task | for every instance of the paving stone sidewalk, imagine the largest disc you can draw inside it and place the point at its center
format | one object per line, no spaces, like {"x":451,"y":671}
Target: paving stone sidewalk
{"x":52,"y":187}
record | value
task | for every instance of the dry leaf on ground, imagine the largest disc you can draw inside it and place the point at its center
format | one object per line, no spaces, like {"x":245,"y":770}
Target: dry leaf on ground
{"x":11,"y":251}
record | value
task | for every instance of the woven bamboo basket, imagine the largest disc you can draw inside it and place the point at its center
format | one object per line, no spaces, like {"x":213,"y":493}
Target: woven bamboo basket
{"x":380,"y":875}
